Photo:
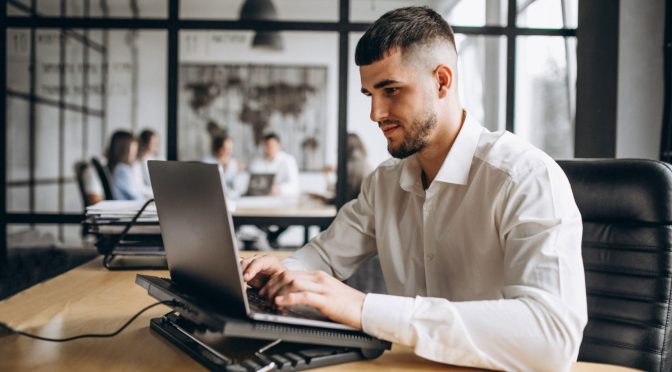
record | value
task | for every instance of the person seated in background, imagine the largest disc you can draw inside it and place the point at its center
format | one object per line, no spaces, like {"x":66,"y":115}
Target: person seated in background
{"x":148,"y":149}
{"x":93,"y":188}
{"x":279,"y":163}
{"x":221,"y":152}
{"x":357,"y":167}
{"x":121,"y":153}
{"x":286,"y":179}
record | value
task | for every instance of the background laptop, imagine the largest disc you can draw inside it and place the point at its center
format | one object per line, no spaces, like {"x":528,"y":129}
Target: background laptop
{"x":260,"y":184}
{"x":200,"y":243}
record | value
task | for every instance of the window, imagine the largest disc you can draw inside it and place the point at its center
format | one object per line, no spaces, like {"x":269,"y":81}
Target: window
{"x":93,"y":74}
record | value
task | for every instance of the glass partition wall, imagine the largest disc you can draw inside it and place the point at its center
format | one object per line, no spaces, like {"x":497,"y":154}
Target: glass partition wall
{"x":76,"y":70}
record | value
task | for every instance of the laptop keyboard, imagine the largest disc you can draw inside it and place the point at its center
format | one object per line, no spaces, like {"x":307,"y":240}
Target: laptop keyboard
{"x":259,"y":303}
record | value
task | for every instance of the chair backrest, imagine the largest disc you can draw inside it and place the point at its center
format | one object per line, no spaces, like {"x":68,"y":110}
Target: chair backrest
{"x":626,"y":207}
{"x":104,"y":176}
{"x":80,"y":168}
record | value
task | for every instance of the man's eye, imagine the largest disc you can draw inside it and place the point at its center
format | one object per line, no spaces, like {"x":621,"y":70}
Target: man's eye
{"x":391,"y":91}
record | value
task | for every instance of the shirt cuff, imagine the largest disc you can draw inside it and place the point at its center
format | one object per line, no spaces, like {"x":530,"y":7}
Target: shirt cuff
{"x":388,"y":317}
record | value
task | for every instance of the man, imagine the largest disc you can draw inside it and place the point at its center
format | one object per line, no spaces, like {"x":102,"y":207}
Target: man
{"x":477,"y":233}
{"x":285,"y":182}
{"x":280,"y":163}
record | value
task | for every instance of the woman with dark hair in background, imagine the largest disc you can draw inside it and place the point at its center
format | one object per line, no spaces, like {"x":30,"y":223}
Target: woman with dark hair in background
{"x":148,"y":149}
{"x":121,"y":153}
{"x":221,"y":152}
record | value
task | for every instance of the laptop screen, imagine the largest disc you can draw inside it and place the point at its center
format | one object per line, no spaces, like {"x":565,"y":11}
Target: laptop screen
{"x":260,"y":184}
{"x":197,"y":230}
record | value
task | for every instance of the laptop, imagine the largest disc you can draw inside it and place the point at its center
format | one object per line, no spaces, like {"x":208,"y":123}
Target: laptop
{"x":201,"y":246}
{"x":260,"y":184}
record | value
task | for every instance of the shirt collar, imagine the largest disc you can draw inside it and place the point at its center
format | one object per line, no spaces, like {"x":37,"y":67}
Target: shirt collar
{"x":455,"y":168}
{"x":410,"y":176}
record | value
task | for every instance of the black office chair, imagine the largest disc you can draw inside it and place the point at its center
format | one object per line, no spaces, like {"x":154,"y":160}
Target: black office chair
{"x":80,"y":168}
{"x":626,"y":207}
{"x":104,"y":175}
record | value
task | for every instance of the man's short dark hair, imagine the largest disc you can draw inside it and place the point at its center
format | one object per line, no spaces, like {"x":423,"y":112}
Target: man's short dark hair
{"x":402,"y":28}
{"x":270,"y":136}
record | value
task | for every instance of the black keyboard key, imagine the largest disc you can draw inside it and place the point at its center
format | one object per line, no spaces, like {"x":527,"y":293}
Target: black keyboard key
{"x":280,"y":360}
{"x":294,"y":358}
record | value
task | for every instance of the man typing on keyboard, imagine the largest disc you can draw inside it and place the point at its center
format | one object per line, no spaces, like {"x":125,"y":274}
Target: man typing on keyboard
{"x":478,"y":234}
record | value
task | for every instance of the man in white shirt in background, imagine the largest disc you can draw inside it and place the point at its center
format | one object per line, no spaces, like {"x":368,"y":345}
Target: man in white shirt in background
{"x":478,"y":234}
{"x":285,"y":181}
{"x":280,"y":163}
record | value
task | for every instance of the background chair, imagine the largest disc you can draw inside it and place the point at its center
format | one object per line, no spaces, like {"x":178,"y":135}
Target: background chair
{"x":626,"y":207}
{"x":104,"y":176}
{"x":80,"y":168}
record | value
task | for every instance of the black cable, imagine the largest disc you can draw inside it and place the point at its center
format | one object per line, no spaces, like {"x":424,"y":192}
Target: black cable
{"x":11,"y":330}
{"x":107,"y":258}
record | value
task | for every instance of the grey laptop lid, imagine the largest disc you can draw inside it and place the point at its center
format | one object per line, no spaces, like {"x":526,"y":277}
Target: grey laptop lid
{"x":199,"y":240}
{"x":197,"y":231}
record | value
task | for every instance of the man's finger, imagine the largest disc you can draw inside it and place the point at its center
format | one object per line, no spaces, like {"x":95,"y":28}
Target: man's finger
{"x":303,"y":283}
{"x":245,"y":262}
{"x":255,"y":265}
{"x":280,"y":280}
{"x":259,"y":268}
{"x":312,"y":299}
{"x":293,"y":281}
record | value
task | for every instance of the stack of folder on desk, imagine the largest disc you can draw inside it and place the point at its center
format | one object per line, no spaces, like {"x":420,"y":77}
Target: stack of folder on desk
{"x":112,"y":216}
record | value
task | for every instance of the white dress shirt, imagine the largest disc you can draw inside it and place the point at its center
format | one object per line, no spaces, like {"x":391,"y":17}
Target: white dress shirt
{"x":483,"y":268}
{"x":92,"y":184}
{"x":285,"y":169}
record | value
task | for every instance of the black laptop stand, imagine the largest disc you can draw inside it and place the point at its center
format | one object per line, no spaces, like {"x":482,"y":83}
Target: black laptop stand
{"x":228,"y":343}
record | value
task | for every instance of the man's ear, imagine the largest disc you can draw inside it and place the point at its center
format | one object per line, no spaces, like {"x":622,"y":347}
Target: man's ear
{"x":444,"y":79}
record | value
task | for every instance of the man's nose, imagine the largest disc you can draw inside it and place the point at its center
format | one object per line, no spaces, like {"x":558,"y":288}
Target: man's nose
{"x":379,"y":110}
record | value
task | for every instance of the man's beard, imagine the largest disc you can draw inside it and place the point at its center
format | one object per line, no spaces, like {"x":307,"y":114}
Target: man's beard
{"x":415,"y":139}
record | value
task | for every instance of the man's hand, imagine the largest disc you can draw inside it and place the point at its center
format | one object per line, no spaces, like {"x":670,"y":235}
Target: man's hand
{"x":318,"y":289}
{"x":259,"y":268}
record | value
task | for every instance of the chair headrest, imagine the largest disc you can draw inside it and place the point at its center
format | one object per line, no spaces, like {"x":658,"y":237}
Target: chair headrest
{"x":634,"y":190}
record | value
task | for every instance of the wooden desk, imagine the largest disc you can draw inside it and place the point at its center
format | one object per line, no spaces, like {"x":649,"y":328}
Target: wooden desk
{"x":90,"y":299}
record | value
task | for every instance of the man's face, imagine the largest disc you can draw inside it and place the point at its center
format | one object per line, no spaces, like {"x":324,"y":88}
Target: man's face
{"x":401,"y":103}
{"x":271,"y":148}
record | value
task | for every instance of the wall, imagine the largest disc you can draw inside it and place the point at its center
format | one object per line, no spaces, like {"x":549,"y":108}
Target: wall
{"x":318,"y":49}
{"x":640,"y":78}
